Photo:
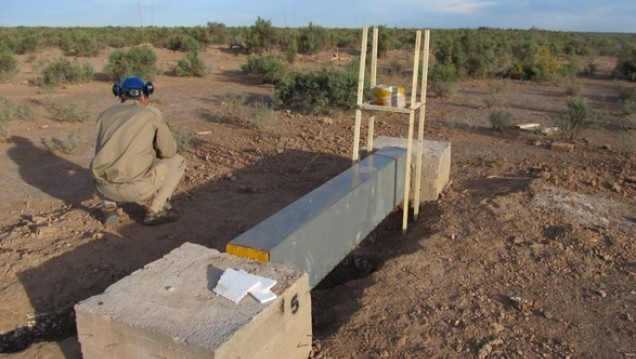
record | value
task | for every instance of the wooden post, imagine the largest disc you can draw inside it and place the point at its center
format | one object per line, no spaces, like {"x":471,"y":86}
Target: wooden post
{"x":420,"y":128}
{"x":374,"y":69}
{"x":409,"y":147}
{"x":356,"y":130}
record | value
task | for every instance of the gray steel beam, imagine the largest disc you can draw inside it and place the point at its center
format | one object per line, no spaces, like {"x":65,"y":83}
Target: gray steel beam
{"x":318,"y":230}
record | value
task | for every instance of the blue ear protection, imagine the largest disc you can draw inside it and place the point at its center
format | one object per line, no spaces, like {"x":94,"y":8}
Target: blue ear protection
{"x":133,"y":87}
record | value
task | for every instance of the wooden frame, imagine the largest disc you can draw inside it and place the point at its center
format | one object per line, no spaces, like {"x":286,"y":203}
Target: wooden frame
{"x":411,"y":109}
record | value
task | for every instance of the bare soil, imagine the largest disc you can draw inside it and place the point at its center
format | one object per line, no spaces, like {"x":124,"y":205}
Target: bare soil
{"x":528,"y":253}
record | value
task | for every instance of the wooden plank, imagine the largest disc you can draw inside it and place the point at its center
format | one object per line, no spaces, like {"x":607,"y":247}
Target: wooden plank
{"x":420,"y":127}
{"x":358,"y":120}
{"x":409,"y":148}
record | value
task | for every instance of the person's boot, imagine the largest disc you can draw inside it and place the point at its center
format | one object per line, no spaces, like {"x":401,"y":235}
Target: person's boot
{"x":154,"y":217}
{"x":109,"y":215}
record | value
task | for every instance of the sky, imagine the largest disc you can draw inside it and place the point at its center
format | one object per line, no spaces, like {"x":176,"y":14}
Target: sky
{"x":557,"y":15}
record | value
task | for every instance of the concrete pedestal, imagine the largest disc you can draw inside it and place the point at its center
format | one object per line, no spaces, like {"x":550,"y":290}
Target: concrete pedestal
{"x":436,"y":162}
{"x":168,"y":310}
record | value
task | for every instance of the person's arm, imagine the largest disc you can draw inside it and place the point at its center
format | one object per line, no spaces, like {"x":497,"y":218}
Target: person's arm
{"x":165,"y":144}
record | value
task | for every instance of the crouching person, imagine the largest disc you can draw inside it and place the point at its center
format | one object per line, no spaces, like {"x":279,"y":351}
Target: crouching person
{"x":136,"y":156}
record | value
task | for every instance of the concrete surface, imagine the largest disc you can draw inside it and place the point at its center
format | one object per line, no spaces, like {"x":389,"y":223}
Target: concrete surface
{"x":168,"y":310}
{"x":436,"y":162}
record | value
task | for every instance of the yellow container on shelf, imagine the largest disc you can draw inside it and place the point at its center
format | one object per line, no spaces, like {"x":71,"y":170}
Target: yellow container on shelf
{"x":393,"y":96}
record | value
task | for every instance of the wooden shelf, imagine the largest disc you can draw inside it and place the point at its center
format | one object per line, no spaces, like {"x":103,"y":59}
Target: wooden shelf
{"x":405,"y":110}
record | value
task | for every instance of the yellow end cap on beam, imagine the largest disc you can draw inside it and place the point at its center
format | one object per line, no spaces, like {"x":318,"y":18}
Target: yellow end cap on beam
{"x":247,"y":252}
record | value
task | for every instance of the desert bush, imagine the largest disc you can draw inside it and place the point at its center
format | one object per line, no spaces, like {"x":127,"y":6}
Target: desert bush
{"x":536,"y":63}
{"x":500,"y":120}
{"x":8,"y":63}
{"x":312,"y":39}
{"x":70,"y":144}
{"x":318,"y":91}
{"x":574,"y":89}
{"x":498,"y":85}
{"x":260,"y":37}
{"x":137,"y":61}
{"x":270,"y":68}
{"x":6,"y":116}
{"x":218,"y":32}
{"x":183,"y":42}
{"x":29,"y":43}
{"x":67,"y":112}
{"x":191,"y":65}
{"x":579,"y":115}
{"x":184,"y":139}
{"x":442,"y":80}
{"x":63,"y":71}
{"x":590,"y":69}
{"x":291,"y":52}
{"x":629,"y":105}
{"x":627,"y":98}
{"x":571,"y":70}
{"x":492,"y":100}
{"x":86,"y":45}
{"x":236,"y":109}
{"x":626,"y":68}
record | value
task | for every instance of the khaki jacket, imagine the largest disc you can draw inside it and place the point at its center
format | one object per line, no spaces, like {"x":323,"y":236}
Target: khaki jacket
{"x":130,"y":138}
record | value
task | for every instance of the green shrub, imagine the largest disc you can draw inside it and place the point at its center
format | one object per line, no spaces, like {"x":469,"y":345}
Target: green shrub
{"x":191,"y":65}
{"x":574,"y":89}
{"x":500,"y":120}
{"x":626,"y":68}
{"x":260,"y":37}
{"x":70,"y":144}
{"x":62,"y":71}
{"x":86,"y":45}
{"x":318,"y":91}
{"x":591,"y":68}
{"x":291,"y":53}
{"x":270,"y":68}
{"x":67,"y":112}
{"x":184,"y":139}
{"x":8,"y":63}
{"x":442,"y":79}
{"x":236,"y":109}
{"x":492,"y":100}
{"x":182,"y":42}
{"x":312,"y":39}
{"x":6,"y":116}
{"x":137,"y":61}
{"x":536,"y":63}
{"x":579,"y":115}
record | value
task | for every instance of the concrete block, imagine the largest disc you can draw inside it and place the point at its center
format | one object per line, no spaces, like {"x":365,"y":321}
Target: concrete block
{"x":168,"y":310}
{"x":436,"y":162}
{"x":318,"y":230}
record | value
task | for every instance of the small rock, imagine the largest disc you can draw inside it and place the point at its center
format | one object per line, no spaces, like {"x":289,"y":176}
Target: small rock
{"x":601,"y":293}
{"x":326,"y":121}
{"x":44,"y":230}
{"x":38,"y":219}
{"x":520,"y":304}
{"x":562,"y":146}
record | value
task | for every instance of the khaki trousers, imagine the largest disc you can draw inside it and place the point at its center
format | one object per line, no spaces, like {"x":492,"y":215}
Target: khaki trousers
{"x":158,"y":184}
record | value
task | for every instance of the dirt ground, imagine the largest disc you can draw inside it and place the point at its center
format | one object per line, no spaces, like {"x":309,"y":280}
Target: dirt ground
{"x":528,"y":253}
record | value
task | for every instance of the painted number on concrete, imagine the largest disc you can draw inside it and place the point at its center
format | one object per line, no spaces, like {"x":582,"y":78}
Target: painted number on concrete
{"x":294,"y":304}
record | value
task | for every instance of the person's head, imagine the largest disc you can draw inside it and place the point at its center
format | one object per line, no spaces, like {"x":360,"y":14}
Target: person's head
{"x":134,"y":88}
